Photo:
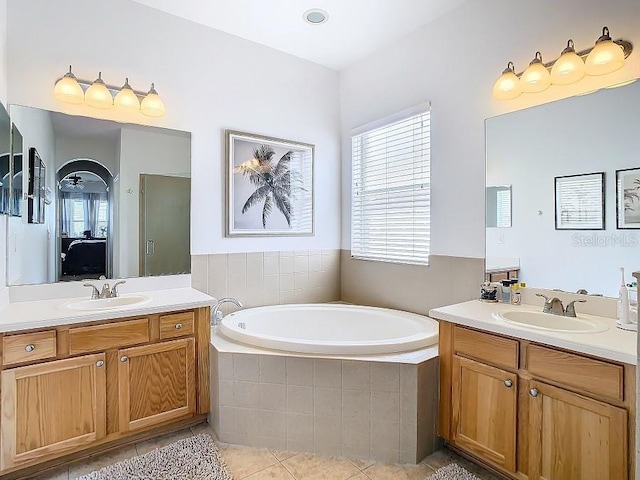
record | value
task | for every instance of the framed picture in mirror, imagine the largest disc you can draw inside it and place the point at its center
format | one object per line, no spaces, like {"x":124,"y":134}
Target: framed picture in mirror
{"x":628,"y":198}
{"x":579,"y":202}
{"x":15,"y":188}
{"x":37,"y":187}
{"x":269,"y":186}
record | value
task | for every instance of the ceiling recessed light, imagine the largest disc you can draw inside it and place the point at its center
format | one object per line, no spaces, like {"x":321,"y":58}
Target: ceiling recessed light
{"x":315,"y":16}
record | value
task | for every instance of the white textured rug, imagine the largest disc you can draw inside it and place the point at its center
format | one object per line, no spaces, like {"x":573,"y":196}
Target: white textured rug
{"x":194,"y":458}
{"x":452,"y":471}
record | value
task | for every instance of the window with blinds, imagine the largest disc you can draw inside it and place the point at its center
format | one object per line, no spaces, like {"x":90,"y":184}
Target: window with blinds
{"x":580,"y":202}
{"x":390,"y":205}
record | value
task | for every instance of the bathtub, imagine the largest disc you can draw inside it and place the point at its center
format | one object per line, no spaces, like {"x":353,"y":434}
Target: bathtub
{"x":330,"y":329}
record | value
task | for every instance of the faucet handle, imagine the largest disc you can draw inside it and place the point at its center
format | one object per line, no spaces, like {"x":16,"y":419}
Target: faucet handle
{"x":546,"y":299}
{"x":114,"y":289}
{"x":95,"y":293}
{"x":570,"y":310}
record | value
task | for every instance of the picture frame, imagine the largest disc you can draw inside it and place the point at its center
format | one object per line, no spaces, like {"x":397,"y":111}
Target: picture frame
{"x":580,"y":201}
{"x":269,"y":186}
{"x":628,"y":199}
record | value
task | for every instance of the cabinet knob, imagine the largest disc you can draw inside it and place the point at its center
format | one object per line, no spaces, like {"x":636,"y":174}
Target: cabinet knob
{"x":533,"y":392}
{"x":178,"y":326}
{"x":30,"y":348}
{"x":99,"y":363}
{"x":124,"y":358}
{"x":508,"y":383}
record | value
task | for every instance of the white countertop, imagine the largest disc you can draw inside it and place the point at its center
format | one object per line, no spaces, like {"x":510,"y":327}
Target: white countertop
{"x":613,"y":344}
{"x":47,"y":313}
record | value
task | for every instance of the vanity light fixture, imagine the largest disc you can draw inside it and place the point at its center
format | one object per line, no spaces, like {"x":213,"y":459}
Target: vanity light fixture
{"x":604,"y":57}
{"x":98,"y":94}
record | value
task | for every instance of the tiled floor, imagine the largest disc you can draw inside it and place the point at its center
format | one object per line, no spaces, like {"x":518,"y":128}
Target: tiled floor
{"x":262,"y":464}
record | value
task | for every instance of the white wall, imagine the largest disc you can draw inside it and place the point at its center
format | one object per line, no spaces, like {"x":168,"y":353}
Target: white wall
{"x":142,"y":151}
{"x":103,"y":150}
{"x":527,"y":149}
{"x":209,"y":81}
{"x":453,"y":62}
{"x":31,"y":253}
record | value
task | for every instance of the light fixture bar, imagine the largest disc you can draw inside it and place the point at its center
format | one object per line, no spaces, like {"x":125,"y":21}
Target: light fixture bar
{"x":627,"y":48}
{"x":112,"y":88}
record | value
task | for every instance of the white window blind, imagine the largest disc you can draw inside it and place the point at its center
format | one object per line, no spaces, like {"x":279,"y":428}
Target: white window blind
{"x":503,"y":204}
{"x":390,"y":205}
{"x":579,"y":202}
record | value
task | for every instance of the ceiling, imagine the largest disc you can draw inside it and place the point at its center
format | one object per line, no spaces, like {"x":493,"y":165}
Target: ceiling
{"x":356,"y":28}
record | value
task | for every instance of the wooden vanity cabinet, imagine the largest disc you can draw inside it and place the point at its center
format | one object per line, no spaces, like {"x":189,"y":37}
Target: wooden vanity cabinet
{"x":107,"y":381}
{"x":535,"y":412}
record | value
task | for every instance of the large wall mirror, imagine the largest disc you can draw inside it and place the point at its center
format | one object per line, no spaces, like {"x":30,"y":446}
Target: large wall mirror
{"x":527,"y":150}
{"x":116,"y":200}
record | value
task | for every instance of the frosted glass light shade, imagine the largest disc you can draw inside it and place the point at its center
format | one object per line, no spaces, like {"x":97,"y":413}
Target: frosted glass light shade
{"x":536,"y":77}
{"x":152,"y":105}
{"x":68,"y":90}
{"x":507,"y":87}
{"x":98,"y":95}
{"x":606,"y":57}
{"x":126,"y":98}
{"x":569,"y":68}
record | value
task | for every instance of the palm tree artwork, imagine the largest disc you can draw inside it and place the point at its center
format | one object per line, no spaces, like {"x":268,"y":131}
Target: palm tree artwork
{"x":273,"y":181}
{"x":631,"y":198}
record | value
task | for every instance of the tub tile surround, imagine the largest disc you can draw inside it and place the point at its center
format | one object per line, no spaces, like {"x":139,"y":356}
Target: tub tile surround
{"x":269,"y":278}
{"x":368,"y":410}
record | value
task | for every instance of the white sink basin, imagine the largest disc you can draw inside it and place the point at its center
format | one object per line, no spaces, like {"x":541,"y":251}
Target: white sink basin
{"x":550,"y":322}
{"x":108,"y":303}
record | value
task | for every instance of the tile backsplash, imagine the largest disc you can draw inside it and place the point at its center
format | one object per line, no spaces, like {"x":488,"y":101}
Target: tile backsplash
{"x":269,"y":278}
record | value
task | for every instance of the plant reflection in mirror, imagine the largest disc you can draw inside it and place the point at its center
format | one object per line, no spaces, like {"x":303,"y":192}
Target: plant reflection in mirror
{"x":272,"y":181}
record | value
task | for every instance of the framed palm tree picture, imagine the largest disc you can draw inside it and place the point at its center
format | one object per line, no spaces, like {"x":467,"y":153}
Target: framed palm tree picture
{"x":269,"y":186}
{"x":628,"y":198}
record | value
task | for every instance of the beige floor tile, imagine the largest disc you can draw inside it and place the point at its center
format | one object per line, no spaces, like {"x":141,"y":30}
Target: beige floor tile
{"x":362,"y":464}
{"x":441,"y":458}
{"x":381,"y":471}
{"x":313,"y":467}
{"x":359,"y":476}
{"x":244,"y":461}
{"x":163,"y":441}
{"x":204,"y":428}
{"x":57,"y":474}
{"x":275,"y":472}
{"x":97,"y":462}
{"x":282,"y":455}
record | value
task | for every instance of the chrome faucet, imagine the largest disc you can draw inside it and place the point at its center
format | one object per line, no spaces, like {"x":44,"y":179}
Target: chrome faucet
{"x":554,"y":306}
{"x":106,"y":292}
{"x":216,"y":315}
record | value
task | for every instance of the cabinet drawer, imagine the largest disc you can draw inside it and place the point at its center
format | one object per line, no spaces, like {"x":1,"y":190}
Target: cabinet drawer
{"x":27,"y":347}
{"x":587,"y":374}
{"x":494,"y":350}
{"x":109,"y":335}
{"x":176,"y":325}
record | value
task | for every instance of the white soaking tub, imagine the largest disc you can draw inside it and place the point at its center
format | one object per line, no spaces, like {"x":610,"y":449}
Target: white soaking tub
{"x":330,"y":329}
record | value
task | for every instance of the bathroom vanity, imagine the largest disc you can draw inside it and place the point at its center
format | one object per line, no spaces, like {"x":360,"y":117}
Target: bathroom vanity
{"x":535,"y":403}
{"x":77,"y":382}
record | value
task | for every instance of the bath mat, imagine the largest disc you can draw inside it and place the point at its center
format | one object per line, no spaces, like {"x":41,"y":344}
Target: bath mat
{"x":194,"y":458}
{"x":452,"y":471}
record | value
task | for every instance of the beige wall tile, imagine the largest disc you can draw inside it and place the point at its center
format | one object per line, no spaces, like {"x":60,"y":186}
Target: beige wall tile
{"x":356,"y":432}
{"x":356,"y":375}
{"x":301,"y":262}
{"x":301,"y":280}
{"x":327,"y":373}
{"x":255,"y":264}
{"x":200,"y":272}
{"x":225,"y":393}
{"x":299,"y":371}
{"x":246,"y":367}
{"x":218,"y":275}
{"x":286,"y":262}
{"x":299,"y":432}
{"x":385,"y":436}
{"x":356,"y":404}
{"x":246,"y":394}
{"x":273,"y":369}
{"x":315,"y":261}
{"x":327,"y":402}
{"x":385,"y":405}
{"x":385,"y":377}
{"x":225,"y":365}
{"x":271,"y":263}
{"x":299,"y":399}
{"x":273,"y":424}
{"x":273,"y":397}
{"x":287,"y":282}
{"x":413,"y":288}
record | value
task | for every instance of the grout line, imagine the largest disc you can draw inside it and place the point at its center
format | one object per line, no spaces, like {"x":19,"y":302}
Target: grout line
{"x":287,"y":470}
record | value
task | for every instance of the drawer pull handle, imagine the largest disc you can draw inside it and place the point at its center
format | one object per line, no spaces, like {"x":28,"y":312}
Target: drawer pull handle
{"x":508,"y":383}
{"x":30,"y":348}
{"x":533,"y":392}
{"x":124,"y":358}
{"x":178,"y":326}
{"x":99,"y":363}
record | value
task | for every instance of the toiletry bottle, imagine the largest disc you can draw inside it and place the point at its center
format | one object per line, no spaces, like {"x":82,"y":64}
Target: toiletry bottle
{"x":506,"y":291}
{"x":623,"y":301}
{"x":516,"y":299}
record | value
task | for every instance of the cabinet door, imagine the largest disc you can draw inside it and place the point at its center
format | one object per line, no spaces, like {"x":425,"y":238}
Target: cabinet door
{"x":484,"y":411}
{"x":52,"y":407}
{"x":156,"y":383}
{"x":575,"y":437}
